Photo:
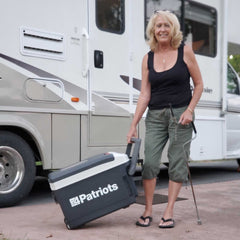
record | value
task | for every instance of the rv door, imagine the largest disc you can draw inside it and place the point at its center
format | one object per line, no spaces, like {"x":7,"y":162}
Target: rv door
{"x":109,"y":57}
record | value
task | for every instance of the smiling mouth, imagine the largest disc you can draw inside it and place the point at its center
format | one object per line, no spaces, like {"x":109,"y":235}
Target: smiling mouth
{"x":163,"y":35}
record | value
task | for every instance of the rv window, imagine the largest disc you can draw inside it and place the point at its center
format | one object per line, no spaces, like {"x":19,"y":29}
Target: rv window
{"x":200,"y":28}
{"x":232,"y":84}
{"x":110,"y":15}
{"x":199,"y":23}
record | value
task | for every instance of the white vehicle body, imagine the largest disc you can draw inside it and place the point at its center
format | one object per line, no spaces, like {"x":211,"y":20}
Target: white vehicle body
{"x":70,"y":75}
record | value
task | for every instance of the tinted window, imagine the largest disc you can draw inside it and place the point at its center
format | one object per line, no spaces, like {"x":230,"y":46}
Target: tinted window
{"x":199,"y":23}
{"x":200,"y":28}
{"x":232,"y":84}
{"x":110,"y":15}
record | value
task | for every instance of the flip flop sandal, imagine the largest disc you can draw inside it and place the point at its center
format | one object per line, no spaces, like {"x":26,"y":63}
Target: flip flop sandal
{"x":144,"y":219}
{"x":167,"y":226}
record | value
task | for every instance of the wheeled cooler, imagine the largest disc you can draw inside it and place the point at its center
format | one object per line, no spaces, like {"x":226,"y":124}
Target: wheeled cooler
{"x":95,"y":187}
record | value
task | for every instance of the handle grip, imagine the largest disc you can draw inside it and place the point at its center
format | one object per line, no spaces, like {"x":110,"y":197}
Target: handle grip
{"x":194,"y":128}
{"x":134,"y":158}
{"x":85,"y":60}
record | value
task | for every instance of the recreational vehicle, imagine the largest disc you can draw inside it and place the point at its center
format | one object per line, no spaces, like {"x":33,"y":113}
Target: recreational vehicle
{"x":70,"y":76}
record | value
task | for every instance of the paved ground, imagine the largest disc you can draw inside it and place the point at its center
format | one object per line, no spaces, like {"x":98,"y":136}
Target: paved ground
{"x":218,"y":203}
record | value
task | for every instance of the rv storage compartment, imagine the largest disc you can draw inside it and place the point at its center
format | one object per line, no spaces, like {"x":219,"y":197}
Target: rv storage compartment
{"x":94,"y":187}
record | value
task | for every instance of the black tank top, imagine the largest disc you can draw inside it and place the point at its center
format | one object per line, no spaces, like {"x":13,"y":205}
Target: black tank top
{"x":171,"y":86}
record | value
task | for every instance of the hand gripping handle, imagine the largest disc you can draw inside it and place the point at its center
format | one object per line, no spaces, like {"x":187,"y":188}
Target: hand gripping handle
{"x":134,"y":158}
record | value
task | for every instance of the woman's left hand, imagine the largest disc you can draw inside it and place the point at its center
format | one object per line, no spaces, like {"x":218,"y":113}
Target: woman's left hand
{"x":186,"y":117}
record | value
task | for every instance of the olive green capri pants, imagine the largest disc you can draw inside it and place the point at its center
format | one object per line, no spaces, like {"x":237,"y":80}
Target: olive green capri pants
{"x":161,"y":126}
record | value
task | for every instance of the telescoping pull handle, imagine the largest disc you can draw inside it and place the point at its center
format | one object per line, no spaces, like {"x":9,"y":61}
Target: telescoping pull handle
{"x":134,"y":158}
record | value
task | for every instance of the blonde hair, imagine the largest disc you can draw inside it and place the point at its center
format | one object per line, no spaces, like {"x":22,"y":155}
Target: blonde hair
{"x":176,"y":33}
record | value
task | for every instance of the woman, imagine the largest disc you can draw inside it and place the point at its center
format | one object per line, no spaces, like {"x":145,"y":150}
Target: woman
{"x":165,"y":90}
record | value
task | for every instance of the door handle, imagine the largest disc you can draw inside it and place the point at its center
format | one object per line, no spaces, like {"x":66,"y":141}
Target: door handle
{"x":85,"y":50}
{"x":98,"y":59}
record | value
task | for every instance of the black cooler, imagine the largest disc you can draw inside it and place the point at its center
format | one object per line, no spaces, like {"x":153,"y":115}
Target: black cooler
{"x":95,"y":187}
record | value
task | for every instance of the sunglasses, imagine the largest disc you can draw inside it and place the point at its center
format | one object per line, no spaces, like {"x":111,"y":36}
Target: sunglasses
{"x":159,"y":11}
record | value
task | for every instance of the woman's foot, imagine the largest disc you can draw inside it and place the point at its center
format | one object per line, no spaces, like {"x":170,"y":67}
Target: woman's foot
{"x":167,"y":223}
{"x":167,"y":219}
{"x":144,"y":221}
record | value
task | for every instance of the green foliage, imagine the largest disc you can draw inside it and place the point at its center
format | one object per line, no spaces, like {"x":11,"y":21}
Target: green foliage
{"x":234,"y":60}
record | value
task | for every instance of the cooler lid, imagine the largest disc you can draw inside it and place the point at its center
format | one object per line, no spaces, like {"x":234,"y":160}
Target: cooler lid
{"x":86,"y":169}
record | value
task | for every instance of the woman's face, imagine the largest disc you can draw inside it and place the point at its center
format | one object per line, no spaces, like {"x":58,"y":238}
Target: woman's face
{"x":162,"y":30}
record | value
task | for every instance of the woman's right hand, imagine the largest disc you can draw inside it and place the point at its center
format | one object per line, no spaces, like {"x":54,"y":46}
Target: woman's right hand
{"x":132,"y":133}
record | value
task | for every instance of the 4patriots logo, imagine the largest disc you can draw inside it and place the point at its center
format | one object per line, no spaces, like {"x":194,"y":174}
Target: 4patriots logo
{"x":82,"y":198}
